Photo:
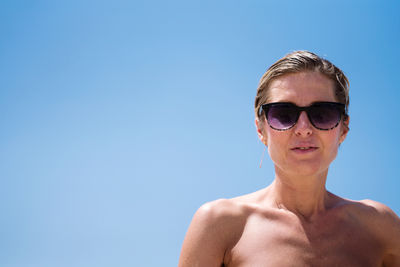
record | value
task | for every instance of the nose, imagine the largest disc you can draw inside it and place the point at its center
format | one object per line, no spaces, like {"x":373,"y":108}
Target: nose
{"x":303,"y":126}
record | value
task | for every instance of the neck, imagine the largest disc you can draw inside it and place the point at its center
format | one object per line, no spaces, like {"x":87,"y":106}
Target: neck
{"x":306,"y":196}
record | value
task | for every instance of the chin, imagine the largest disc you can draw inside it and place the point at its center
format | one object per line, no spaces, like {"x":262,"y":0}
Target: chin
{"x":303,"y":168}
{"x":309,"y":171}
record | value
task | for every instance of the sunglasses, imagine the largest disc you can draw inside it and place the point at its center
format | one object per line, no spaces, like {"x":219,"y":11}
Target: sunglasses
{"x":324,"y":116}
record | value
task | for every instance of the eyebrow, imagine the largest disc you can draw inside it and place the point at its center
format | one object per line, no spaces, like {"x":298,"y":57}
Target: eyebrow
{"x":290,"y":102}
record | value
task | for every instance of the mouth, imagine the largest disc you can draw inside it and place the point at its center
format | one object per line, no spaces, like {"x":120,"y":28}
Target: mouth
{"x":304,"y":149}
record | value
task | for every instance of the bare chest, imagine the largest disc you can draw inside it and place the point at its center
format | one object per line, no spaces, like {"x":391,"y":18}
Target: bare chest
{"x":338,"y":242}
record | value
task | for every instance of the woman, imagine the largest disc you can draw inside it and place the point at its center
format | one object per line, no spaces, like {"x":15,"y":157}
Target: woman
{"x":301,"y":117}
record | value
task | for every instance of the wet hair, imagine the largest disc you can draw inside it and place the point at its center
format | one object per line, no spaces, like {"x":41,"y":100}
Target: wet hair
{"x":300,"y":61}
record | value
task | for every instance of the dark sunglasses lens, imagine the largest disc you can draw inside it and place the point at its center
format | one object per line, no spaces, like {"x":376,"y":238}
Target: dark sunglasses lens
{"x":282,"y":117}
{"x":325,"y":116}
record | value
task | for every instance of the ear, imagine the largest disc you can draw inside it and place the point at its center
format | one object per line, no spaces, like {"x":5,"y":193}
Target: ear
{"x":345,"y":129}
{"x":260,"y":132}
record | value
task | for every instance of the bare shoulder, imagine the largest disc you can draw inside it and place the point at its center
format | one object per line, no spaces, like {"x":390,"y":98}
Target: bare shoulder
{"x":221,"y":209}
{"x":225,"y":217}
{"x":385,"y":220}
{"x":237,"y":208}
{"x":377,"y":212}
{"x":384,"y":224}
{"x":372,"y":213}
{"x":213,"y":228}
{"x":381,"y":208}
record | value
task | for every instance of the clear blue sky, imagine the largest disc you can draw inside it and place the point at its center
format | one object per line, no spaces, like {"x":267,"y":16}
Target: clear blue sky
{"x":120,"y":118}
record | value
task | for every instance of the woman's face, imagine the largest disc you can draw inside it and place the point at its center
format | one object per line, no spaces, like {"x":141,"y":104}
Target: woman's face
{"x":287,"y":148}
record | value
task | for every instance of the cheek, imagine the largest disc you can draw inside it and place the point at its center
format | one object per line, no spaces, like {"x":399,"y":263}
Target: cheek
{"x":277,"y":144}
{"x":332,"y":141}
{"x":335,"y":138}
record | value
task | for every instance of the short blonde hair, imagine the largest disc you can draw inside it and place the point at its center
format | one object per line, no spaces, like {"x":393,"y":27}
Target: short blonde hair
{"x":299,"y":61}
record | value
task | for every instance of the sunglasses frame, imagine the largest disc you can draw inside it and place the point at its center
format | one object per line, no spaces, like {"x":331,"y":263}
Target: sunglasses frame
{"x":340,"y":106}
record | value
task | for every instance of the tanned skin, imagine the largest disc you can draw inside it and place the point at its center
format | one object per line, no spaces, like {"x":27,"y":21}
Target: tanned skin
{"x":295,"y":221}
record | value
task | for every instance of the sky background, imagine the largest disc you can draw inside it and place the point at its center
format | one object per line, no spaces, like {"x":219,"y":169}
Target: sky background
{"x":120,"y":118}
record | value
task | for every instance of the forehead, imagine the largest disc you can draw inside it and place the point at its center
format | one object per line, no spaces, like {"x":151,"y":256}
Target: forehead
{"x":302,"y":88}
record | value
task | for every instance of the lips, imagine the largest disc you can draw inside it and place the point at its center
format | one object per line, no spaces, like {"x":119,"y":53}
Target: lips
{"x":304,"y":149}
